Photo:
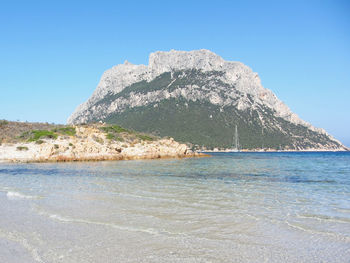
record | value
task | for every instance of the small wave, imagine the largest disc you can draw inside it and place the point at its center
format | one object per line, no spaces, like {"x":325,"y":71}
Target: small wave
{"x":337,"y":236}
{"x":4,"y":189}
{"x":84,"y":221}
{"x":16,"y":195}
{"x":22,"y":240}
{"x":298,"y":179}
{"x":65,"y":219}
{"x":343,"y":210}
{"x":336,"y":219}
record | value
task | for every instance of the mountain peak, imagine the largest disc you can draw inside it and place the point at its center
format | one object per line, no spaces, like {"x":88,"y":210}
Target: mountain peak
{"x":127,"y":63}
{"x":203,"y":59}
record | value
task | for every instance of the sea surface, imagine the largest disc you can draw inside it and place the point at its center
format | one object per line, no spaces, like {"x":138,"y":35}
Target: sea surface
{"x":231,"y":207}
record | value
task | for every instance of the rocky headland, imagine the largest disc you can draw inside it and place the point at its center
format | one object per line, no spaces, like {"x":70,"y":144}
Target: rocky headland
{"x":35,"y":142}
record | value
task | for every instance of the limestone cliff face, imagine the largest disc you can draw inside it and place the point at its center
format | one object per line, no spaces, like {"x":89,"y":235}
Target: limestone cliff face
{"x":193,"y":77}
{"x":236,"y":74}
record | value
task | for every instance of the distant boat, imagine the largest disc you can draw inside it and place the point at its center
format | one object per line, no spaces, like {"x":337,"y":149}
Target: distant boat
{"x":279,"y":148}
{"x":236,"y":141}
{"x":262,"y":144}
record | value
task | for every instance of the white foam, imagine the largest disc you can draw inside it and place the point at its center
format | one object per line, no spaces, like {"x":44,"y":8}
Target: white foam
{"x":119,"y":227}
{"x":22,"y":240}
{"x":72,"y":220}
{"x":319,"y":232}
{"x":16,"y":195}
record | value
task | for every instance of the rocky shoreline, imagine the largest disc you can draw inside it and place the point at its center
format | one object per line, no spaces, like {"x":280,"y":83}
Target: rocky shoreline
{"x":90,"y":143}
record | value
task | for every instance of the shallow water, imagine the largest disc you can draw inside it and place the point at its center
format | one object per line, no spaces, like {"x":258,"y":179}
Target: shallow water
{"x":239,"y":207}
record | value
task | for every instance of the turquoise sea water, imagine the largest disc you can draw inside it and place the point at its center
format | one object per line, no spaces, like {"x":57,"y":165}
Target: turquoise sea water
{"x":238,"y":207}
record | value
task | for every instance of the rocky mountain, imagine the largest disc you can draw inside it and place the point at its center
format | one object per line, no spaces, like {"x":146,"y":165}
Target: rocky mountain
{"x":199,"y":97}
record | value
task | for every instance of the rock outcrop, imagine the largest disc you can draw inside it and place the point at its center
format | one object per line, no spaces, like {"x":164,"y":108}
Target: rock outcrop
{"x":89,"y":143}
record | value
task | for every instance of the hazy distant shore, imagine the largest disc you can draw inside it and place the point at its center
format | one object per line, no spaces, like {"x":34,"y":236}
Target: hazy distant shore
{"x":272,"y":150}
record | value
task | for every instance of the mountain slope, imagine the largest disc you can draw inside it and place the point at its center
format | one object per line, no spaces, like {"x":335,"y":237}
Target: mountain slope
{"x":198,"y":97}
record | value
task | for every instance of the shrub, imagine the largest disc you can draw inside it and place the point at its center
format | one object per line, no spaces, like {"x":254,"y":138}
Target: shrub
{"x":70,"y":144}
{"x":56,"y":146}
{"x":70,"y":131}
{"x":39,"y":142}
{"x":114,"y":137}
{"x":38,"y":134}
{"x":97,"y":139}
{"x":115,"y":129}
{"x":145,"y":137}
{"x":3,"y":122}
{"x":22,"y":148}
{"x":110,"y":136}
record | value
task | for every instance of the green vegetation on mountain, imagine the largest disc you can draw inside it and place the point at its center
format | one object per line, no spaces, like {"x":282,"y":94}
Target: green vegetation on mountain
{"x":207,"y":125}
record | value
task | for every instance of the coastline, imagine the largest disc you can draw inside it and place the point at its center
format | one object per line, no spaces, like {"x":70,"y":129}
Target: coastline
{"x":92,"y":143}
{"x":48,"y":153}
{"x":43,"y":142}
{"x":101,"y":158}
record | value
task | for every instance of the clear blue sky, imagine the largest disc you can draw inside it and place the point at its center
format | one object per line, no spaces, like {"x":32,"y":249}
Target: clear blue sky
{"x":53,"y":53}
